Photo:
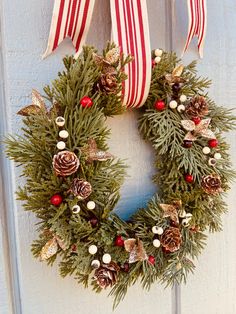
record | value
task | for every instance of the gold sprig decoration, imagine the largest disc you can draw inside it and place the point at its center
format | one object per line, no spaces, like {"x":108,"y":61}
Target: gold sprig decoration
{"x":92,"y":152}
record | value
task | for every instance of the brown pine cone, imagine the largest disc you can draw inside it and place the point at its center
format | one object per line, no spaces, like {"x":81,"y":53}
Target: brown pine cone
{"x":107,"y":274}
{"x":81,"y":188}
{"x":211,"y":184}
{"x":107,"y":83}
{"x":65,"y":163}
{"x":171,"y":239}
{"x":197,"y":107}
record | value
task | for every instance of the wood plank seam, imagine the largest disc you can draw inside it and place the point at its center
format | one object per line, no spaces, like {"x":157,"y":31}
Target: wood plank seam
{"x":169,"y":8}
{"x":7,"y":194}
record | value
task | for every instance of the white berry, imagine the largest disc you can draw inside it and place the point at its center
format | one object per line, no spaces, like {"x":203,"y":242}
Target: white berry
{"x":61,"y":145}
{"x":106,"y":258}
{"x":158,"y":52}
{"x":185,"y":222}
{"x":95,"y":263}
{"x":173,"y":104}
{"x":183,"y":98}
{"x":212,"y":162}
{"x":217,"y":156}
{"x":60,"y":121}
{"x":188,"y":216}
{"x":92,"y":249}
{"x":76,"y":209}
{"x":160,"y":230}
{"x":206,"y":150}
{"x":154,"y":229}
{"x":63,"y":134}
{"x":182,"y":213}
{"x":157,"y":59}
{"x":156,"y":243}
{"x":91,"y":205}
{"x":181,"y":108}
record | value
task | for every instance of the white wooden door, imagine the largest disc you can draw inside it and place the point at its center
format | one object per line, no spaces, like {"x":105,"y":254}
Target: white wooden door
{"x":30,"y":287}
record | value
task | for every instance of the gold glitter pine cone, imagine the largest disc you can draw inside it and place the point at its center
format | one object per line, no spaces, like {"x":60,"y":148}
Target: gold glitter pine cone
{"x":65,"y":163}
{"x":197,"y":107}
{"x":211,"y":184}
{"x":80,"y":188}
{"x":171,"y":239}
{"x":106,"y":275}
{"x":107,"y":83}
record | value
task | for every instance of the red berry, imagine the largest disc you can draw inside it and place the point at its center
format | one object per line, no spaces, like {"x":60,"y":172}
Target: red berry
{"x":196,"y":120}
{"x":151,"y":259}
{"x":93,"y":221}
{"x":126,"y":267}
{"x":74,"y":248}
{"x":213,"y":143}
{"x":86,"y":102}
{"x":159,"y":105}
{"x":56,"y":199}
{"x":187,"y":144}
{"x":119,"y":241}
{"x":194,"y":229}
{"x":174,"y":224}
{"x":188,"y":178}
{"x":176,"y":88}
{"x":153,"y":63}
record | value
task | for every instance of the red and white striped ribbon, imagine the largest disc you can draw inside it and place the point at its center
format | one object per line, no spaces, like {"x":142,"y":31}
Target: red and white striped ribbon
{"x":71,"y":18}
{"x":197,"y":12}
{"x":130,"y":31}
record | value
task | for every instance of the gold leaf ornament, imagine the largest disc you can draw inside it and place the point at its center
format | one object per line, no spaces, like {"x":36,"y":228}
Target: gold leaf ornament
{"x":37,"y":105}
{"x":136,"y":250}
{"x":200,"y":129}
{"x":178,"y":70}
{"x":49,"y":249}
{"x":94,"y":154}
{"x":113,"y":55}
{"x":108,"y":62}
{"x":175,"y":76}
{"x":61,"y":243}
{"x":171,"y":210}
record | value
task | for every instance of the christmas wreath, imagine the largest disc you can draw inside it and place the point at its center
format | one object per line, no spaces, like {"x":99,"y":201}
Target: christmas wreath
{"x":73,"y":182}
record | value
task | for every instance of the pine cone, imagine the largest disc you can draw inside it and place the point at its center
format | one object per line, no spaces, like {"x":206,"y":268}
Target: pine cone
{"x":211,"y":184}
{"x":81,"y":188}
{"x":106,"y":275}
{"x":171,"y":239}
{"x":65,"y":163}
{"x":197,"y":107}
{"x":107,"y":83}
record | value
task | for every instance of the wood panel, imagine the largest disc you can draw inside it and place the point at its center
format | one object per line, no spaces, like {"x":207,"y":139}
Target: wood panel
{"x":41,"y":290}
{"x":212,"y":288}
{"x":9,"y":283}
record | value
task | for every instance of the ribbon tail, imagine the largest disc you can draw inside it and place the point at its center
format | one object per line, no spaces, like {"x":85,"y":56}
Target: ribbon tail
{"x":191,"y":24}
{"x":202,"y":30}
{"x":71,"y":18}
{"x":55,"y":24}
{"x":197,"y":15}
{"x":82,"y":32}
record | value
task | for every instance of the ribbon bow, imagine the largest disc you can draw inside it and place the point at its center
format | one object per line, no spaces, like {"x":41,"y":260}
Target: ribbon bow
{"x":130,"y":30}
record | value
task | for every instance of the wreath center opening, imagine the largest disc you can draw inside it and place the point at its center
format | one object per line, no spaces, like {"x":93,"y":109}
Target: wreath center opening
{"x":125,"y":141}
